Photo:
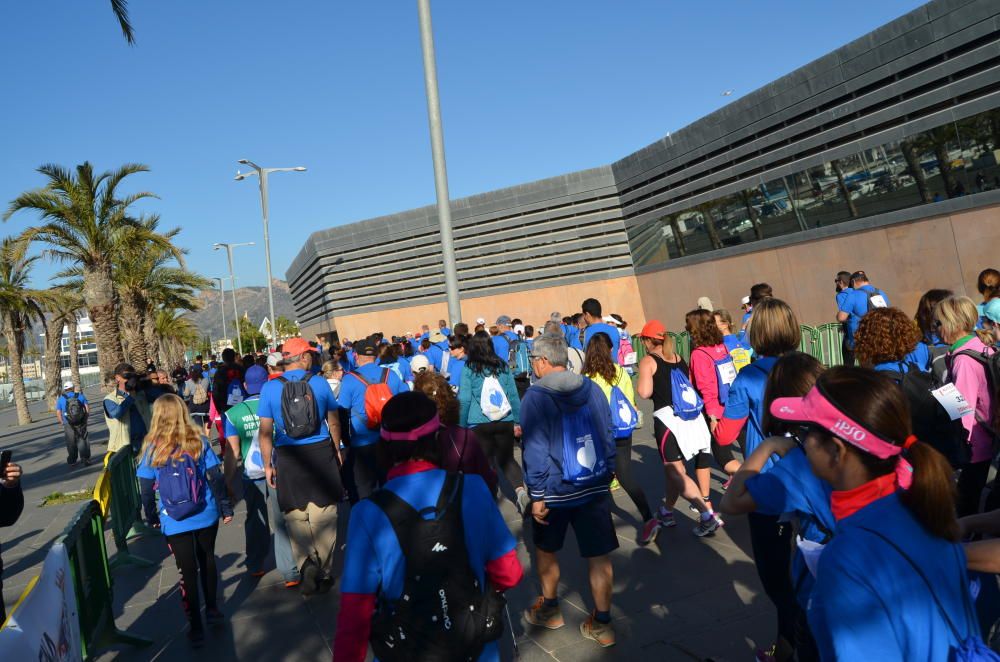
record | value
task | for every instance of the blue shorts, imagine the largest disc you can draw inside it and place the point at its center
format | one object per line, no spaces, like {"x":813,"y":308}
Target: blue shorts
{"x":591,"y":521}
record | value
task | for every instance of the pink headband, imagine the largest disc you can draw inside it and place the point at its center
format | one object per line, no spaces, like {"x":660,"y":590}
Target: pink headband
{"x":815,"y":408}
{"x":414,"y":434}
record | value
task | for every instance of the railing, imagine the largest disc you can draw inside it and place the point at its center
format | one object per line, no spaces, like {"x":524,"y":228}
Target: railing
{"x":831,"y":337}
{"x":117,"y":493}
{"x":91,"y":574}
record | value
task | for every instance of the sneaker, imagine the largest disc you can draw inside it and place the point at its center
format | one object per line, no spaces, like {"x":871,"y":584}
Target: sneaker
{"x":649,"y":530}
{"x":602,"y":633}
{"x":258,"y":573}
{"x":292,"y":583}
{"x":666,"y":518}
{"x":544,"y":616}
{"x":523,"y":502}
{"x":310,"y":577}
{"x":214,"y":617}
{"x":707,"y":526}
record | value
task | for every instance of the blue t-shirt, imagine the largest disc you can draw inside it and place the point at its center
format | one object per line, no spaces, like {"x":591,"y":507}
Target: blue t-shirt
{"x":735,"y":342}
{"x":352,"y":398}
{"x":455,"y":367}
{"x":204,"y":519}
{"x":902,"y":367}
{"x":746,"y":400}
{"x":791,"y":487}
{"x":61,"y":402}
{"x":855,"y":304}
{"x":501,"y":344}
{"x":435,"y":352}
{"x":610,"y":331}
{"x":270,"y":407}
{"x":374,"y":563}
{"x":870,"y":604}
{"x":572,"y":335}
{"x":401,"y":367}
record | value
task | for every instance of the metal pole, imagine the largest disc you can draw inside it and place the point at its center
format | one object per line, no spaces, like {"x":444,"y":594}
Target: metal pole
{"x":440,"y":167}
{"x":222,"y":306}
{"x":262,"y":175}
{"x":236,"y":314}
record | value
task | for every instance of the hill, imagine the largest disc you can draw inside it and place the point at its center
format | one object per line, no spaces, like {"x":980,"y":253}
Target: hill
{"x":249,"y":300}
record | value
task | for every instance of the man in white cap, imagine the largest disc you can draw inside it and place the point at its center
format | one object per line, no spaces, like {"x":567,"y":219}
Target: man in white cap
{"x":72,"y":410}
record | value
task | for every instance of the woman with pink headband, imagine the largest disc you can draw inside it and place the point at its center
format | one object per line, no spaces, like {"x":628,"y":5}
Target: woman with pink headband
{"x":892,"y":583}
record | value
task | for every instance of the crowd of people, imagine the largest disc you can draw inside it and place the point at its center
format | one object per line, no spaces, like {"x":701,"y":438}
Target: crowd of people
{"x":866,"y":487}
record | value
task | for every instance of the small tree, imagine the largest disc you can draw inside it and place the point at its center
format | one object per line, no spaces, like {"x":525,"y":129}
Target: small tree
{"x":249,"y":334}
{"x":285,"y":327}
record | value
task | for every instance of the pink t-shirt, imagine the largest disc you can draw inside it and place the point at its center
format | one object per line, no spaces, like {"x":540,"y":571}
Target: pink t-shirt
{"x":969,"y":377}
{"x":704,"y":377}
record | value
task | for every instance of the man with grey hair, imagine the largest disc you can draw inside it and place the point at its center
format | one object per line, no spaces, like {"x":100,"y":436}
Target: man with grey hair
{"x":575,"y":356}
{"x":568,"y":486}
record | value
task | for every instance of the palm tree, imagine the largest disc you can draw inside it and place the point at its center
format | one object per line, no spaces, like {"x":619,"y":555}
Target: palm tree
{"x":60,"y":309}
{"x":85,"y":222}
{"x":174,"y":334}
{"x":120,"y":8}
{"x":19,"y":307}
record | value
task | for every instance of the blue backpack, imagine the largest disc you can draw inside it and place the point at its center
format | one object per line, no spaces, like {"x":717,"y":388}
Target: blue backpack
{"x":585,"y":459}
{"x":181,"y":485}
{"x":685,"y":400}
{"x":517,"y":359}
{"x":624,"y":418}
{"x":725,"y":374}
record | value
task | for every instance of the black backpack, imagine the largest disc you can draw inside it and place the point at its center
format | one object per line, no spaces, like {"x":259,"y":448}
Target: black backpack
{"x":298,"y":408}
{"x":990,"y":360}
{"x":75,"y":413}
{"x":872,"y":293}
{"x":931,"y":423}
{"x":443,"y":613}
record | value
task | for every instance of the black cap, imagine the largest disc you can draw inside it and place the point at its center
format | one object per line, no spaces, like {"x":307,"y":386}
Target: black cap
{"x":123,"y":369}
{"x":365,"y":348}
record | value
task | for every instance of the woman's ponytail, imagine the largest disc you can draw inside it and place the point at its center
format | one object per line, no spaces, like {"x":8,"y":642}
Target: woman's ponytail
{"x":931,"y":497}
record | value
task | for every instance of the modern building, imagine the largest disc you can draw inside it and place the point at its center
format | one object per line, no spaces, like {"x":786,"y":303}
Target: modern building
{"x":86,"y":349}
{"x":882,"y":155}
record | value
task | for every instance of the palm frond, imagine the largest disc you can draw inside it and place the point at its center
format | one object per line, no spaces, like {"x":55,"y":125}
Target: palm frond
{"x":120,"y":8}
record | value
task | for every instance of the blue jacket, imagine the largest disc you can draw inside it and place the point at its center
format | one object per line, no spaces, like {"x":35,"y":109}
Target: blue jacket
{"x":470,"y":389}
{"x":541,"y":422}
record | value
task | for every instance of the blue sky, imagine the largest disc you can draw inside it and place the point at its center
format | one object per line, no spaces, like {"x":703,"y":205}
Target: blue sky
{"x":529,"y":89}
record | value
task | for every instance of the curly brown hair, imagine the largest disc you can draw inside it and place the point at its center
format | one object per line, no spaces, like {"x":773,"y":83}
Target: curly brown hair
{"x":885,"y":335}
{"x":703,"y":329}
{"x":436,"y":387}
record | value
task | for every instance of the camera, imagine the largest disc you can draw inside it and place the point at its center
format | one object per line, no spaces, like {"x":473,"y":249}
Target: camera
{"x":131,"y":381}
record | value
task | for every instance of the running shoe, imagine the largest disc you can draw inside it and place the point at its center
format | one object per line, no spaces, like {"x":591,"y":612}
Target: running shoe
{"x":310,"y":577}
{"x":649,"y":530}
{"x":543,"y":616}
{"x":666,"y":518}
{"x":602,"y":633}
{"x":196,"y":637}
{"x":725,"y":485}
{"x":615,"y":485}
{"x":523,"y":502}
{"x":292,"y":583}
{"x":708,"y":526}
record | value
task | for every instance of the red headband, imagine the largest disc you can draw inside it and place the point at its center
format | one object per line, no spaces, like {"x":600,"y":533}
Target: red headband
{"x":414,"y":434}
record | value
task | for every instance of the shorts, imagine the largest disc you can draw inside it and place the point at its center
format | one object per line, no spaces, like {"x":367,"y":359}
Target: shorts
{"x":670,"y":451}
{"x":591,"y":521}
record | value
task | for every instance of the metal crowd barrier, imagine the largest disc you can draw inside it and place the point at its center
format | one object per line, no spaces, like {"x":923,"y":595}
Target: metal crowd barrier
{"x":91,"y":576}
{"x":117,"y":492}
{"x":831,"y":350}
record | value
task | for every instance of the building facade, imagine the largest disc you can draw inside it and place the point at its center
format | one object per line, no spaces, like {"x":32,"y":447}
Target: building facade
{"x":882,"y":155}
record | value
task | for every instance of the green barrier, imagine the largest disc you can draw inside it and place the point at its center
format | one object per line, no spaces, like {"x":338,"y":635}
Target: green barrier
{"x":640,"y":349}
{"x":682,"y":344}
{"x":91,"y":576}
{"x":831,"y":348}
{"x":810,"y":343}
{"x":125,"y":508}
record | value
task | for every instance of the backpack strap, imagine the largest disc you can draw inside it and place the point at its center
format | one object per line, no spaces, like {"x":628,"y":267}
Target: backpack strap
{"x":930,"y":587}
{"x":358,"y":377}
{"x":385,"y":375}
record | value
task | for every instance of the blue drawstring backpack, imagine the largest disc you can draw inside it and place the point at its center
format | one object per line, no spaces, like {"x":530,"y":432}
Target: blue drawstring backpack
{"x":686,"y":402}
{"x":585,"y":459}
{"x":182,"y":487}
{"x":624,"y":418}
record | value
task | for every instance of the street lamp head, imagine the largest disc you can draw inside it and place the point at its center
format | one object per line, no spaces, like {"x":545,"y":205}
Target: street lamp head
{"x":299,"y":168}
{"x":243,"y":161}
{"x":216,"y":246}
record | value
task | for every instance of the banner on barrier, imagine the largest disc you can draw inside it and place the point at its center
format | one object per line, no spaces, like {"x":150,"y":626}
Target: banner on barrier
{"x":43,"y":625}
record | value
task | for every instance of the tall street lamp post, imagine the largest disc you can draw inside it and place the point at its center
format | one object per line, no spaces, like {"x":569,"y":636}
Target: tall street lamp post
{"x":232,"y":280}
{"x":222,"y":307}
{"x":262,"y":174}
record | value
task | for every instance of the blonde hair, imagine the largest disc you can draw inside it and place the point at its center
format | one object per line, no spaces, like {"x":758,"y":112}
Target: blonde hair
{"x":774,"y":330}
{"x":172,"y":433}
{"x":330,"y":368}
{"x":957,"y":314}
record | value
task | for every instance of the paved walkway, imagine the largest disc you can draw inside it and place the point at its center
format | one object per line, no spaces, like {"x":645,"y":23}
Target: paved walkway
{"x":679,"y":599}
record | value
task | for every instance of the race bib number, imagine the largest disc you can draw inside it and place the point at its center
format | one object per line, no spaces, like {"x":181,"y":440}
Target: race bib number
{"x":630,"y":358}
{"x":878,"y":301}
{"x":953,"y":401}
{"x":727,"y":373}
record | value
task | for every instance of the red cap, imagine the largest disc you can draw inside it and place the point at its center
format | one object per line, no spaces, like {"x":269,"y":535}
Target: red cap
{"x":295,"y":347}
{"x":654,"y":329}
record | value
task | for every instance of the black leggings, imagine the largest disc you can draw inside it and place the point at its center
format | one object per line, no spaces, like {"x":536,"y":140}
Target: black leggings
{"x":367,"y":476}
{"x":194,"y":552}
{"x":623,"y":471}
{"x":971,"y":482}
{"x":497,"y":441}
{"x":772,"y":554}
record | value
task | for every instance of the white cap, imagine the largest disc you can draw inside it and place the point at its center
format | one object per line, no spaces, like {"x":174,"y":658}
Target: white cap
{"x":518,"y":328}
{"x":274,"y":359}
{"x":419,"y":363}
{"x":68,"y":386}
{"x":745,"y":301}
{"x":610,"y":320}
{"x":481,"y":321}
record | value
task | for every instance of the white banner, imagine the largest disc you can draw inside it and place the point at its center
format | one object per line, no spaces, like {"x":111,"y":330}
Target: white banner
{"x":43,"y":625}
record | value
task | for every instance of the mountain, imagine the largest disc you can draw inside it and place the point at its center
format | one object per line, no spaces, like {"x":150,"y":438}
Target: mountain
{"x":250,"y":300}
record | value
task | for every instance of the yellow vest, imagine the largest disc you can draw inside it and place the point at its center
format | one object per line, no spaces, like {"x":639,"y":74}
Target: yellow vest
{"x":118,"y":430}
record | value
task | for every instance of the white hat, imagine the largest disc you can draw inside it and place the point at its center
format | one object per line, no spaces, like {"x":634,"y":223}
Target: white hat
{"x":68,"y":386}
{"x":481,"y":321}
{"x":519,"y":328}
{"x":419,"y":363}
{"x":274,"y":359}
{"x":610,"y":320}
{"x":745,"y":301}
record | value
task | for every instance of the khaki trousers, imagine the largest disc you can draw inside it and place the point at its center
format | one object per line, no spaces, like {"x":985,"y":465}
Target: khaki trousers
{"x":313,"y":534}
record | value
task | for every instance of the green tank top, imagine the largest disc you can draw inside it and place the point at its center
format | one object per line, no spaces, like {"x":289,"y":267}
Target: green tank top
{"x":243,"y":417}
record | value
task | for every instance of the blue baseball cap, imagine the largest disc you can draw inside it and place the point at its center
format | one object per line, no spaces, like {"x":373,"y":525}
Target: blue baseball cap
{"x":991,"y":311}
{"x":255,"y":379}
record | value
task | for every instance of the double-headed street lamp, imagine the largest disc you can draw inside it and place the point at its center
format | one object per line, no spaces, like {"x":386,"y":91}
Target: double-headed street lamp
{"x":232,"y":279}
{"x":222,"y":306}
{"x":262,"y":174}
